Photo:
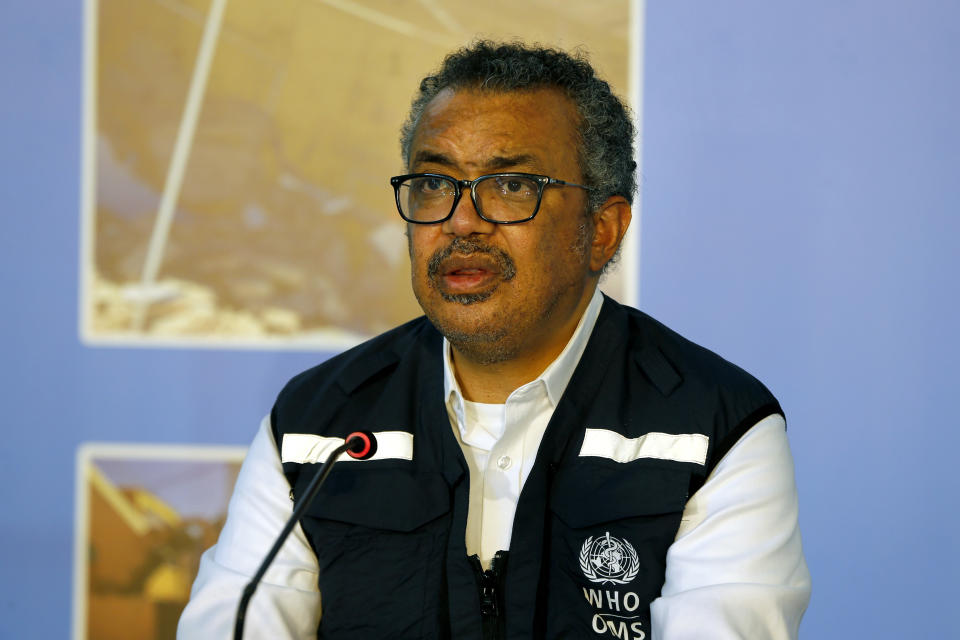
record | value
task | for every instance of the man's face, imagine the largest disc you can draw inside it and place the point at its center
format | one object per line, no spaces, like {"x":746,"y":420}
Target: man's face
{"x":500,"y":292}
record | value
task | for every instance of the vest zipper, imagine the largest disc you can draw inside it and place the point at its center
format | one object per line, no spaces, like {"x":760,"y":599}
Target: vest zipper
{"x":490,"y":585}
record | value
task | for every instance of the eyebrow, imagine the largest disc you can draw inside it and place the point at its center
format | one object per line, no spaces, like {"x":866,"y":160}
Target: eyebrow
{"x":491,"y":164}
{"x":505,"y":162}
{"x":431,"y":157}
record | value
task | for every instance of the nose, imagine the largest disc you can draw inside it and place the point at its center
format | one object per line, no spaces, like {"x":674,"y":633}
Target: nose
{"x":465,"y":220}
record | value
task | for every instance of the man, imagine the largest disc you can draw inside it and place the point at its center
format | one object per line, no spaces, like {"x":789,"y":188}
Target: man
{"x":551,"y":464}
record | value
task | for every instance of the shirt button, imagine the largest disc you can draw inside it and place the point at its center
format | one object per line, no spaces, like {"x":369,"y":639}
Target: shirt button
{"x":504,"y":462}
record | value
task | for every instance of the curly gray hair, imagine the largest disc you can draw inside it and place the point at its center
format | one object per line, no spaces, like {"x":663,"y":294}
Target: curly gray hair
{"x":606,"y":131}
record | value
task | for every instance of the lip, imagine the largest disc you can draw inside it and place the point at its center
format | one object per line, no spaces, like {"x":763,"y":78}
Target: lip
{"x":468,"y":274}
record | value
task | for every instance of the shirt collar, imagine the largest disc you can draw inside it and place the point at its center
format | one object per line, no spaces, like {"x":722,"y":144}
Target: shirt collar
{"x":554,"y":378}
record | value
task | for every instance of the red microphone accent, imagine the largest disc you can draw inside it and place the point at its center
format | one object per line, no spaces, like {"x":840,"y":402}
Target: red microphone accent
{"x":364,"y":445}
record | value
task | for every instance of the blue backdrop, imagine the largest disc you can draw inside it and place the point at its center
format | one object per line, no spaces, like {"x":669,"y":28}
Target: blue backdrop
{"x":800,"y":168}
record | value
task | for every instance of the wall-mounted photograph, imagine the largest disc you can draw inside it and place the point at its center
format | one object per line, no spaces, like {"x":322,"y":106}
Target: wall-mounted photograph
{"x":237,"y":158}
{"x":145,"y":514}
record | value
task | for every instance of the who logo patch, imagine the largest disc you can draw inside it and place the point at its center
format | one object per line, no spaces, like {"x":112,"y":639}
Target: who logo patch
{"x":609,"y":560}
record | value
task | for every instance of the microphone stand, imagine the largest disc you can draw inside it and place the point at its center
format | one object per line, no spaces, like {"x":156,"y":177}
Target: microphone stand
{"x":352,"y":444}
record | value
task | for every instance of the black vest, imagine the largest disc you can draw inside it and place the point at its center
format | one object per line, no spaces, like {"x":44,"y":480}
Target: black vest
{"x":590,"y":536}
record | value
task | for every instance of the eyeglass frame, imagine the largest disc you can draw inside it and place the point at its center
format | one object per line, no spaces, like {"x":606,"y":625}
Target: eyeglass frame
{"x":459,"y":186}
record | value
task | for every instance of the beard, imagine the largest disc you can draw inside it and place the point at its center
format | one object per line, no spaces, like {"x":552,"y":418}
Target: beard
{"x":499,"y":336}
{"x":485,"y":343}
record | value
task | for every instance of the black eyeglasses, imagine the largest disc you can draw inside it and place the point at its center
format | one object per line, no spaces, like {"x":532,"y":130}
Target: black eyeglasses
{"x":504,"y":198}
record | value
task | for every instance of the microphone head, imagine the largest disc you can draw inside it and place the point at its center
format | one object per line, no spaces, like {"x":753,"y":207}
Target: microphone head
{"x":363,"y":445}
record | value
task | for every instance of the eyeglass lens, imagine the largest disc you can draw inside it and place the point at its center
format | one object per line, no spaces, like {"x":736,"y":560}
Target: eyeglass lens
{"x":500,"y":198}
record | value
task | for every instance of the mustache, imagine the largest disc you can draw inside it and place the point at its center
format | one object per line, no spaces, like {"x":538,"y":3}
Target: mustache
{"x":467,"y":246}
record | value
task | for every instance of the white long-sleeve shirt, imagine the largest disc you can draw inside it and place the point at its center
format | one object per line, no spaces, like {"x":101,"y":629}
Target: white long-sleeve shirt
{"x":735,"y":570}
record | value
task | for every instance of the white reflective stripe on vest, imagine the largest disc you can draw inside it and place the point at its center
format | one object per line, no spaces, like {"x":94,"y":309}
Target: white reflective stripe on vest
{"x":684,"y":447}
{"x":306,"y":448}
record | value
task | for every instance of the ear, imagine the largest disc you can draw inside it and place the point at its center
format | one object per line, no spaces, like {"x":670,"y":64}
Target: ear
{"x":610,"y":224}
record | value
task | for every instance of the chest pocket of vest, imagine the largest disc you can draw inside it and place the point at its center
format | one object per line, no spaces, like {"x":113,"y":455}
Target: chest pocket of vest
{"x":380,"y":538}
{"x":610,"y":527}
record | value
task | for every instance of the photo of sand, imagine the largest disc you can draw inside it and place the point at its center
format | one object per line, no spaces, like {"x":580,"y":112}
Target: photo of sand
{"x":247,"y":201}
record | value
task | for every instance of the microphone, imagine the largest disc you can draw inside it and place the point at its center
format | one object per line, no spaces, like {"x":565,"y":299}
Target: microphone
{"x":363,"y":445}
{"x":360,"y":445}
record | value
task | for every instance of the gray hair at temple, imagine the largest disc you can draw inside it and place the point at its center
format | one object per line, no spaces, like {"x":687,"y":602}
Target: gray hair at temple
{"x":606,"y":130}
